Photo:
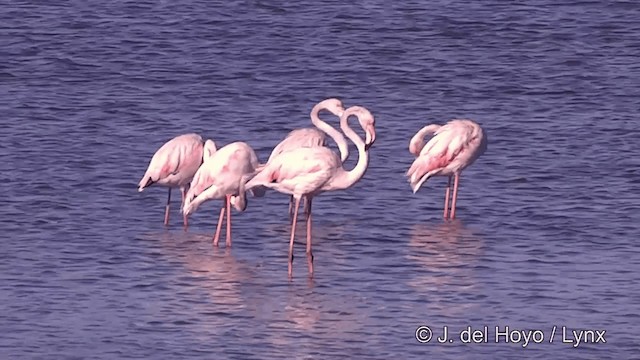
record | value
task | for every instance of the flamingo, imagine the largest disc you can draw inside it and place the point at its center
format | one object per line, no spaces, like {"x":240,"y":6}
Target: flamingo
{"x":175,"y":164}
{"x":222,"y":176}
{"x":309,"y":171}
{"x":312,"y":137}
{"x":453,"y":147}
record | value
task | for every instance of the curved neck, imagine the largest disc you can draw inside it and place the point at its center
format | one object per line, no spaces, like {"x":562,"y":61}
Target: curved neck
{"x":417,"y":141}
{"x":208,"y":150}
{"x":331,"y":131}
{"x":348,"y":178}
{"x":239,"y":201}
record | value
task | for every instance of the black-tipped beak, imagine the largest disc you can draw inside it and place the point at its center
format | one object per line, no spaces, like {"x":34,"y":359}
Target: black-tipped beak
{"x":370,"y":137}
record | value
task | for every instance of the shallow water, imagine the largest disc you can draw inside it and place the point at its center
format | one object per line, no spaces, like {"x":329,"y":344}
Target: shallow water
{"x":548,"y":216}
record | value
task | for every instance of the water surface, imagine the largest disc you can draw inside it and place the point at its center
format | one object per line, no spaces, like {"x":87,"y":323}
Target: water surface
{"x":548,"y":217}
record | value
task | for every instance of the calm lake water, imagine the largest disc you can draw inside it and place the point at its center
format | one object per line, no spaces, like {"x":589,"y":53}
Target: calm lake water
{"x":548,"y":224}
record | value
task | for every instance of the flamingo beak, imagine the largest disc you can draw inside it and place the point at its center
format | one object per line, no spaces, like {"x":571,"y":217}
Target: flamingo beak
{"x":370,"y":137}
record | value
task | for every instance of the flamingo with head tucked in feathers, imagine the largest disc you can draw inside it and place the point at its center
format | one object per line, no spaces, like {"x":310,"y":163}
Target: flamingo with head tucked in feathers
{"x":309,"y":171}
{"x":175,"y":164}
{"x":453,"y":147}
{"x":222,"y":176}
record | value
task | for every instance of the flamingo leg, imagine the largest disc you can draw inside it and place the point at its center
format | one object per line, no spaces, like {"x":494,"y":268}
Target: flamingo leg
{"x":307,"y":209}
{"x":291,"y":207}
{"x":185,"y":220}
{"x":166,"y":209}
{"x":455,"y":196}
{"x":216,"y":237}
{"x":228,"y":240}
{"x":293,"y":235}
{"x":447,"y":194}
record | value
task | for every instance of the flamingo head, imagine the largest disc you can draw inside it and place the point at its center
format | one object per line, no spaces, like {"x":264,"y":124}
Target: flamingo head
{"x":370,"y":137}
{"x":240,"y":201}
{"x":189,"y":206}
{"x":368,"y":123}
{"x":333,"y":105}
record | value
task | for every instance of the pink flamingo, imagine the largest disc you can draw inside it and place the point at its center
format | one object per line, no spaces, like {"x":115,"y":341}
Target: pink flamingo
{"x":222,"y":176}
{"x":310,"y":171}
{"x":453,"y":147}
{"x":312,"y":137}
{"x":174,"y":165}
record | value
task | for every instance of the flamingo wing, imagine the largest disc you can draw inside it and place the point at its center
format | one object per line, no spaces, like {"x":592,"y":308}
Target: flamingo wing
{"x":300,"y":171}
{"x":203,"y":179}
{"x":436,"y":155}
{"x":224,"y":169}
{"x":305,"y":137}
{"x":213,"y":178}
{"x":165,"y":162}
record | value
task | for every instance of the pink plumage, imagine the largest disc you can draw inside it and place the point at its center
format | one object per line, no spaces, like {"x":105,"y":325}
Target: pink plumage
{"x":453,"y":147}
{"x":313,"y":137}
{"x":222,"y":176}
{"x":308,"y":171}
{"x":175,"y":164}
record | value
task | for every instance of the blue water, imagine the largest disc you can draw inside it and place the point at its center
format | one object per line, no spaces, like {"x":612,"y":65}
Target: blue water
{"x":547,"y":230}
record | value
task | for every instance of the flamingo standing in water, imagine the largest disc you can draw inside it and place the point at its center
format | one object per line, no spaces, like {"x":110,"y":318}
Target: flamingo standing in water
{"x":222,"y":176}
{"x":453,"y":147}
{"x":309,"y":171}
{"x":175,"y":164}
{"x":312,"y":137}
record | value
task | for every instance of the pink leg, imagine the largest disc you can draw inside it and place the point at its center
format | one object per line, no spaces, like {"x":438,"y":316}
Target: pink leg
{"x":166,"y":209}
{"x":291,"y":206}
{"x":293,"y":235}
{"x":309,"y":252}
{"x":447,"y":194}
{"x":185,"y":220}
{"x":455,"y":196}
{"x":216,"y":237}
{"x":228,"y":240}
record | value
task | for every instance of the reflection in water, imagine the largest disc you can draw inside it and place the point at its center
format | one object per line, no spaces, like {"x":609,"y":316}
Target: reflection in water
{"x":292,"y":317}
{"x":315,"y":320}
{"x":446,"y":254}
{"x":212,"y":270}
